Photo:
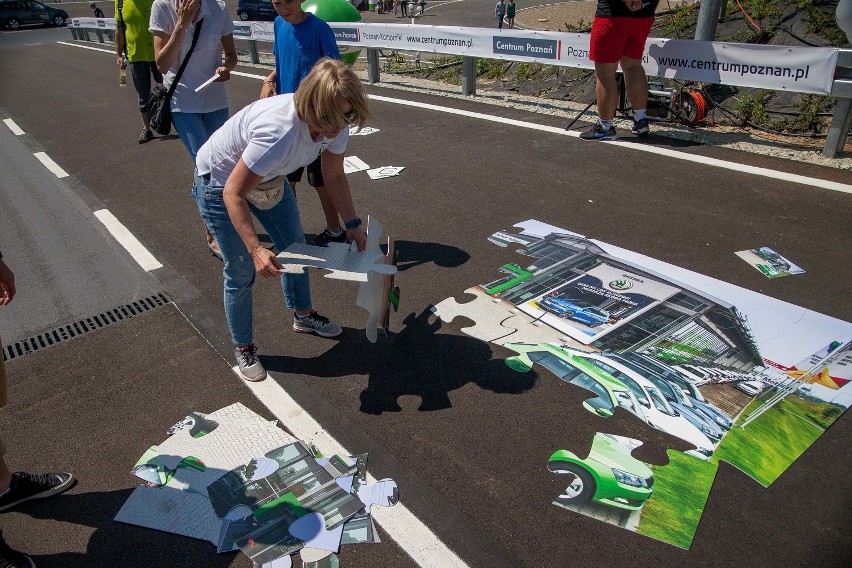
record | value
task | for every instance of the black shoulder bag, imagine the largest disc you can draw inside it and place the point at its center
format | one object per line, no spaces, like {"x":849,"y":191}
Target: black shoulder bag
{"x":159,"y":107}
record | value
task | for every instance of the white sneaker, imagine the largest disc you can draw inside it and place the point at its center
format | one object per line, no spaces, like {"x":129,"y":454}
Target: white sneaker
{"x":249,"y":367}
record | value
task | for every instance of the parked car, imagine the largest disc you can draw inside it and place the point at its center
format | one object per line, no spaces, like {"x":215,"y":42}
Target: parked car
{"x":675,"y":398}
{"x":689,"y":388}
{"x":256,"y":10}
{"x":576,"y":310}
{"x":611,"y":393}
{"x":752,"y":388}
{"x":692,"y":374}
{"x":657,"y":411}
{"x":17,"y":13}
{"x":610,"y":475}
{"x":698,"y":401}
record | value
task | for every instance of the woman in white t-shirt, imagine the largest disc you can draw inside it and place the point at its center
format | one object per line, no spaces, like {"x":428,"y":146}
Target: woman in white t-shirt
{"x":246,"y":161}
{"x":196,"y":115}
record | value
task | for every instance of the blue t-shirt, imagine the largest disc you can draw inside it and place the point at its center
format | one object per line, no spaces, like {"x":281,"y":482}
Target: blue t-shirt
{"x":297,"y":48}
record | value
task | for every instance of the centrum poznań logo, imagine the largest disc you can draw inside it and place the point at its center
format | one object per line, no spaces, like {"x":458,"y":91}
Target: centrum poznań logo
{"x":621,"y":284}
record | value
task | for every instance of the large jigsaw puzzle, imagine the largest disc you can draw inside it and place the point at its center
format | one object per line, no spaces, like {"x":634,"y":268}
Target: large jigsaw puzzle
{"x":734,"y":373}
{"x":372,"y":268}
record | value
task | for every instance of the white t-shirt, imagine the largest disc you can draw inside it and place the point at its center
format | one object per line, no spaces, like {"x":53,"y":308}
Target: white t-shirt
{"x":205,"y":58}
{"x":270,"y":138}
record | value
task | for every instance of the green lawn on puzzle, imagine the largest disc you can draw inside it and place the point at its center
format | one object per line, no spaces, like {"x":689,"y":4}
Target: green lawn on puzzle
{"x":770,"y":444}
{"x":681,"y":488}
{"x":763,"y":450}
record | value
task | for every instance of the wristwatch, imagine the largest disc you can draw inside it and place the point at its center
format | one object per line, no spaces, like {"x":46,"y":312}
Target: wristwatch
{"x":353,"y":224}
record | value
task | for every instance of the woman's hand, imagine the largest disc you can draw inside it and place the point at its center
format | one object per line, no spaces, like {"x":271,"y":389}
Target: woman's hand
{"x":186,"y":11}
{"x":267,"y":89}
{"x":265,"y":262}
{"x":634,"y":5}
{"x":359,"y":237}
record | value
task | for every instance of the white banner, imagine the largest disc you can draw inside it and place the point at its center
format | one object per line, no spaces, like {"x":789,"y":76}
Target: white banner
{"x":774,"y":67}
{"x":92,"y":23}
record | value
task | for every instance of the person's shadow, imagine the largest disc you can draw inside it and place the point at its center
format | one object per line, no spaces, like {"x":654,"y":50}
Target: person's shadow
{"x":417,"y":361}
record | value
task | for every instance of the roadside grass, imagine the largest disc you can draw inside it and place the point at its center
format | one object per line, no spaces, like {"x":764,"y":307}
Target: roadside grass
{"x":770,"y":444}
{"x":681,"y":489}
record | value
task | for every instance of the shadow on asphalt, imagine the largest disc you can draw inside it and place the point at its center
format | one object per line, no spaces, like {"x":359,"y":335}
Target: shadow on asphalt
{"x":113,"y":543}
{"x":417,"y":361}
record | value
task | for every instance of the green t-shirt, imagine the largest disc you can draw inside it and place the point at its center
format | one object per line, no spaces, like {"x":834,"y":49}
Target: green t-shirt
{"x":140,"y":42}
{"x":510,"y":11}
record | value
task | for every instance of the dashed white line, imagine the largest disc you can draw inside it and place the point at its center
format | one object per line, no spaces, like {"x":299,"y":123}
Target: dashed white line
{"x":126,"y":239}
{"x":48,"y":163}
{"x":16,"y":130}
{"x":407,"y":530}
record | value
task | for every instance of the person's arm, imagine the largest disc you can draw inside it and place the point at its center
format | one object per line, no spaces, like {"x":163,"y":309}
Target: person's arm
{"x":241,"y":181}
{"x":119,"y":41}
{"x":337,"y":186}
{"x":167,"y":46}
{"x":7,"y":283}
{"x":230,"y":63}
{"x":267,"y":88}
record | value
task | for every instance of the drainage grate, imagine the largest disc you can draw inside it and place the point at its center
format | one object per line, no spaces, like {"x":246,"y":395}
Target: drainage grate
{"x":70,"y":331}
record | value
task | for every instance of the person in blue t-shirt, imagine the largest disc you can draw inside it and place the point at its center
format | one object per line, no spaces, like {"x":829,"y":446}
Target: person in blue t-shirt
{"x":302,"y":39}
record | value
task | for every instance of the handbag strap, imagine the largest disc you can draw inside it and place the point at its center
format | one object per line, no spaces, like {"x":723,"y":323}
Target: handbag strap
{"x":195,"y":35}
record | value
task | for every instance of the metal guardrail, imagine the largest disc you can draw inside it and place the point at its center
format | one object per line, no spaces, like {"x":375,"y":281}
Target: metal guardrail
{"x":841,"y":88}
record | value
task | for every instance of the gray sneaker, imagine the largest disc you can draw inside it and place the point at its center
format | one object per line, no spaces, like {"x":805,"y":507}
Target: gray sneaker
{"x":315,"y":323}
{"x":249,"y":367}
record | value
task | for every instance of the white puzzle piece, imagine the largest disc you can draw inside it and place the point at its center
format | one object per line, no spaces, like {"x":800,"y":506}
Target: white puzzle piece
{"x":312,"y":555}
{"x":285,"y":561}
{"x":355,"y":131}
{"x":240,"y":436}
{"x":385,"y":171}
{"x":344,"y":261}
{"x":384,"y":492}
{"x":171,"y":510}
{"x":311,"y":529}
{"x":258,"y":468}
{"x":352,"y":164}
{"x":496,"y":320}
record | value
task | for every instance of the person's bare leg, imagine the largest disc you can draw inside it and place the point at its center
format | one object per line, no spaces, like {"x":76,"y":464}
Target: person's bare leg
{"x":606,"y":89}
{"x":635,"y":83}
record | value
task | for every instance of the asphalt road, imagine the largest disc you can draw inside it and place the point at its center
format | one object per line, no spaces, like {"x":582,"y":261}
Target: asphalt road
{"x":465,"y":438}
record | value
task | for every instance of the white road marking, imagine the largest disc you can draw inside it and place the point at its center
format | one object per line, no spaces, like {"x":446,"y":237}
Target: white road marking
{"x":126,"y":239}
{"x":400,"y":523}
{"x":48,"y":163}
{"x":16,"y":130}
{"x":675,"y":154}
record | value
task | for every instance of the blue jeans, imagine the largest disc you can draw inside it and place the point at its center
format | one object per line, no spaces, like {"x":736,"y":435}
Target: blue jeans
{"x":194,"y":128}
{"x":284,"y":226}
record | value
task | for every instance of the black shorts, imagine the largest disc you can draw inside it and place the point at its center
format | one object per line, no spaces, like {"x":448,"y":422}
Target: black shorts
{"x":142,"y":71}
{"x":314,"y":174}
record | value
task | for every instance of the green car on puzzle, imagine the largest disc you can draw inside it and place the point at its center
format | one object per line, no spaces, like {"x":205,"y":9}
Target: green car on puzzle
{"x":610,"y":475}
{"x":577,"y":371}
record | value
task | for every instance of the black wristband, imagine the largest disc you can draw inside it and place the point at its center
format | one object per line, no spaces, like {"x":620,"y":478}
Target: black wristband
{"x":353,"y":224}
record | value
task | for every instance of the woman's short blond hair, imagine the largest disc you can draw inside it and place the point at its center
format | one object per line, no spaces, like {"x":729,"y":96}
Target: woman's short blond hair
{"x":316,"y":97}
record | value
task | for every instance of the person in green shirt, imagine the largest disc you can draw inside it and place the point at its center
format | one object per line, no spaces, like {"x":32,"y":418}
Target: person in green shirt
{"x":134,"y":46}
{"x":510,"y":14}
